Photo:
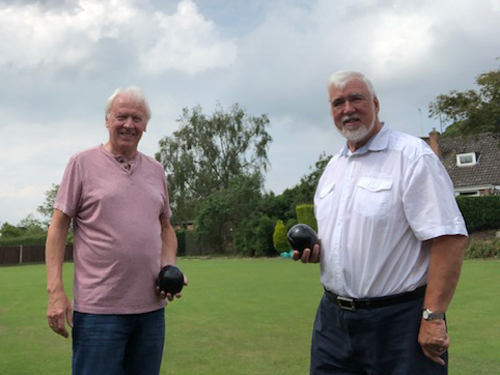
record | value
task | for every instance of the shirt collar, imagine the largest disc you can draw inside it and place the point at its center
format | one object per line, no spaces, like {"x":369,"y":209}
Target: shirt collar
{"x":378,"y":142}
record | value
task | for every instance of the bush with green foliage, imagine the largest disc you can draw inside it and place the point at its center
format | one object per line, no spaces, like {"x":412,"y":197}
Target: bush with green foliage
{"x":483,"y":249}
{"x":29,"y":232}
{"x":305,"y":215}
{"x":10,"y":231}
{"x":254,"y":236}
{"x":279,"y":237}
{"x":29,"y":239}
{"x":480,"y":212}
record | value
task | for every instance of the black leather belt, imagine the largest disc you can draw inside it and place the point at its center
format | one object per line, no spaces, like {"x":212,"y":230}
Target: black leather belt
{"x":352,"y":304}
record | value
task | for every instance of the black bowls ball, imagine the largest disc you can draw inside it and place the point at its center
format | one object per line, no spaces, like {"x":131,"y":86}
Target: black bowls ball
{"x":171,"y":279}
{"x":301,"y":237}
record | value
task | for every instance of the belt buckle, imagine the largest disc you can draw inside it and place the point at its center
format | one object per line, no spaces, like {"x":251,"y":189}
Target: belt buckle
{"x":346,"y":303}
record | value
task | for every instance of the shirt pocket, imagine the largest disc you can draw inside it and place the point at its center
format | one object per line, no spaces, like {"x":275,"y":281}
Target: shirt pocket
{"x":372,"y":196}
{"x":324,"y":202}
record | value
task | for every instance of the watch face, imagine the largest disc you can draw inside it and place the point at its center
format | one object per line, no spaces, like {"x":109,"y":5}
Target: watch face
{"x":429,"y":315}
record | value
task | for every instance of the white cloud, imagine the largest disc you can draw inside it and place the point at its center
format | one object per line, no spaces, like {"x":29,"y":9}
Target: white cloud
{"x":52,"y":39}
{"x":187,"y":42}
{"x":32,"y":36}
{"x":399,"y":41}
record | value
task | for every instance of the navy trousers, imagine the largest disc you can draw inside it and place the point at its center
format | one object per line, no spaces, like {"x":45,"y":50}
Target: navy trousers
{"x":118,"y":344}
{"x":378,"y":341}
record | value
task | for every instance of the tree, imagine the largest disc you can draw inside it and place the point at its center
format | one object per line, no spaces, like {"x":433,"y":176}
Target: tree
{"x":47,"y":207}
{"x":283,"y":206}
{"x":208,"y":152}
{"x":210,"y":223}
{"x":224,"y":213}
{"x":471,"y":111}
{"x":10,"y":231}
{"x":31,"y":225}
{"x":255,"y":235}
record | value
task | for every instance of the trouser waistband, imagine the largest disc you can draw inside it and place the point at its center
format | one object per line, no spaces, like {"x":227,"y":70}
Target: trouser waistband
{"x":353,"y":304}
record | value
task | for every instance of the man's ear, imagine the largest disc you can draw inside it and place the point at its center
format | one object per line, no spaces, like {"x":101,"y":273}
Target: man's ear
{"x":377,"y":104}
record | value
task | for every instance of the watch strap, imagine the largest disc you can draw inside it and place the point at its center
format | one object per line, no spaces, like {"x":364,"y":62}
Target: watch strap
{"x":429,"y":315}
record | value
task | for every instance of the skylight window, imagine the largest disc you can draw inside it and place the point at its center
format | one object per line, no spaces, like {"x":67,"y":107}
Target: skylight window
{"x":468,"y":159}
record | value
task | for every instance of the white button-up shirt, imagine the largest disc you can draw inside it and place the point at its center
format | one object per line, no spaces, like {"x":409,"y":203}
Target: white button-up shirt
{"x":375,"y":207}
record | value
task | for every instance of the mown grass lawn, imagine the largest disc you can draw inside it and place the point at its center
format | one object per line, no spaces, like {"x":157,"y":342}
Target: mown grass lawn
{"x":239,"y":316}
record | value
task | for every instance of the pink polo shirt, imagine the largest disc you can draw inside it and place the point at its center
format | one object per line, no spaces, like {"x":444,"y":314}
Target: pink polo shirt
{"x":117,"y":231}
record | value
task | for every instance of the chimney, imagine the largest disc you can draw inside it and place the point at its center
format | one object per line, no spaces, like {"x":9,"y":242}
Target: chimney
{"x":434,"y":142}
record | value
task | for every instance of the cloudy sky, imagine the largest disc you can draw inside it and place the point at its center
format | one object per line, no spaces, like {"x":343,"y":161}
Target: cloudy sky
{"x":61,"y":59}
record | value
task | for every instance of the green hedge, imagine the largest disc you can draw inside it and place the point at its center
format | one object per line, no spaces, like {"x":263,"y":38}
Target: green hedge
{"x":480,"y":212}
{"x":38,"y":239}
{"x":305,"y":215}
{"x":483,"y":249}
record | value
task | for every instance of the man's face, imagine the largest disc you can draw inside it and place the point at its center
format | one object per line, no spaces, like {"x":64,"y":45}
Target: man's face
{"x":354,"y":111}
{"x":126,"y":122}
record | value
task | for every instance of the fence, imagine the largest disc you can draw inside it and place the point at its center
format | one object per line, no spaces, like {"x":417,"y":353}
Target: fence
{"x":28,"y":254}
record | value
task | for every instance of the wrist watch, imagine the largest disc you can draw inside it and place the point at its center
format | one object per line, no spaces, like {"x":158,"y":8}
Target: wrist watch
{"x":429,"y":315}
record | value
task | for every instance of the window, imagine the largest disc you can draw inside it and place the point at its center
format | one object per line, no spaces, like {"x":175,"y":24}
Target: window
{"x":468,"y":193}
{"x":466,"y":159}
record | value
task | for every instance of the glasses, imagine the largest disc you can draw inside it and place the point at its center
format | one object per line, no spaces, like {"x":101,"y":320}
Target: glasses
{"x":353,"y":99}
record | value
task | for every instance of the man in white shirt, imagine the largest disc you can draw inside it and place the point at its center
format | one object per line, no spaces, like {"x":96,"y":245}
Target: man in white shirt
{"x":391,"y":246}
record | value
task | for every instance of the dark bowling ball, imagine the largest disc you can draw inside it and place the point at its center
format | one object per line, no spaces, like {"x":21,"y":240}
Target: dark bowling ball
{"x":171,"y":279}
{"x":301,"y":237}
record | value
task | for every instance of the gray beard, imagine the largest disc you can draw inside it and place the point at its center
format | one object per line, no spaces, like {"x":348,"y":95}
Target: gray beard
{"x":358,"y":134}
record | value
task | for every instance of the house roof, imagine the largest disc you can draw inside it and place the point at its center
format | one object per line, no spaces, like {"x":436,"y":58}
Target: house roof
{"x":485,"y":171}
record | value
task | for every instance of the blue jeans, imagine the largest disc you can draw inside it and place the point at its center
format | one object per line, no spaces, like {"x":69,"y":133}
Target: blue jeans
{"x":378,"y":341}
{"x":118,"y":344}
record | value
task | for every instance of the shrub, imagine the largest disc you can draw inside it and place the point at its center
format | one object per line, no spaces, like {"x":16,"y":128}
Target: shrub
{"x":483,"y":249}
{"x":10,"y":231}
{"x":480,"y":212}
{"x":305,"y":215}
{"x":279,"y":237}
{"x":25,"y":240}
{"x":254,"y":236}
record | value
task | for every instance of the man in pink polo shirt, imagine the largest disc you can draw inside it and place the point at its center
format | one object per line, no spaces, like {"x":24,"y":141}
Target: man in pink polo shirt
{"x":117,"y":199}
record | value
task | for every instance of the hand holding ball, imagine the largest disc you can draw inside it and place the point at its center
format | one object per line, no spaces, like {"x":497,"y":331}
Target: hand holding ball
{"x":171,"y":279}
{"x":301,"y":237}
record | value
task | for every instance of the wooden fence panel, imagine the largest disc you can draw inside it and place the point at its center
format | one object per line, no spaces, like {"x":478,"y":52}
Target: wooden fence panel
{"x":29,"y":254}
{"x":9,"y":255}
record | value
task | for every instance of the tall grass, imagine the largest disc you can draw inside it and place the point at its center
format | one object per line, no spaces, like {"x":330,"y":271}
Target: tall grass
{"x":238,"y":316}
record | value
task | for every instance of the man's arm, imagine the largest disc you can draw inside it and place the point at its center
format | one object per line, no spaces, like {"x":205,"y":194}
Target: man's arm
{"x":444,"y":271}
{"x":168,"y":252}
{"x":59,"y":309}
{"x":168,"y":243}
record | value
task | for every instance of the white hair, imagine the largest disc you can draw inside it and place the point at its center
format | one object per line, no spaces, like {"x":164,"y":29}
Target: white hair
{"x":341,"y":78}
{"x":136,"y":93}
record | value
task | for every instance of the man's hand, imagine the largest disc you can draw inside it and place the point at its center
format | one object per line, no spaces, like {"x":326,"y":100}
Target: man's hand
{"x":308,"y":256}
{"x":59,"y":312}
{"x":169,"y":296}
{"x":433,"y":339}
